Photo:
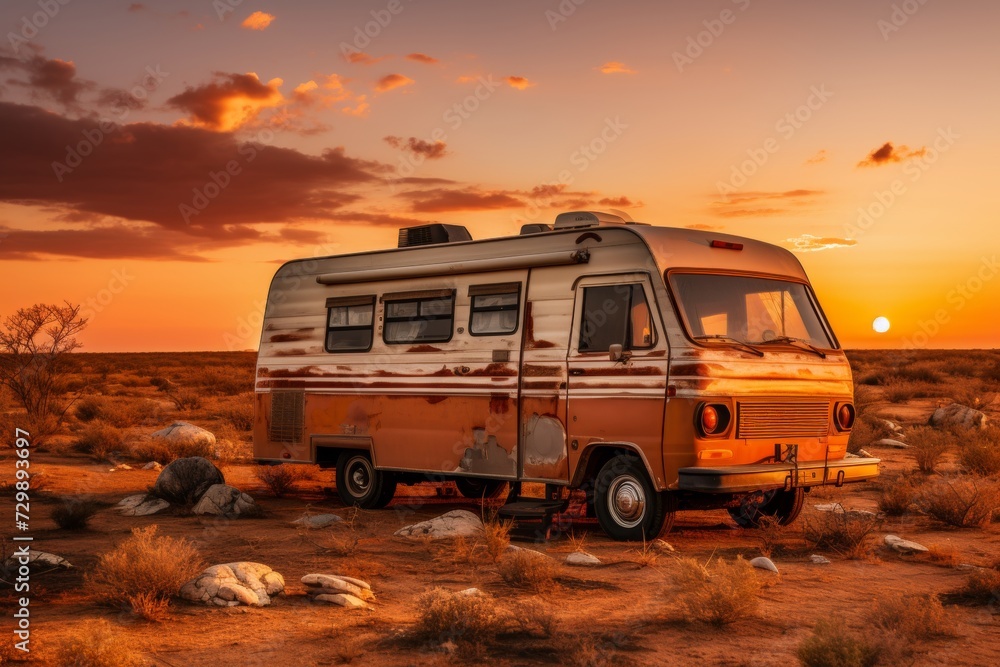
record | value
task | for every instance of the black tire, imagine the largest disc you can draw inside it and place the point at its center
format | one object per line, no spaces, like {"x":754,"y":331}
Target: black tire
{"x":360,"y":484}
{"x":782,"y":505}
{"x":627,"y":505}
{"x":477,"y":489}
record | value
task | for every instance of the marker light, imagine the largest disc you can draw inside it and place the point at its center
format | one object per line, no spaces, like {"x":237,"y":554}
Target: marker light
{"x":727,"y":245}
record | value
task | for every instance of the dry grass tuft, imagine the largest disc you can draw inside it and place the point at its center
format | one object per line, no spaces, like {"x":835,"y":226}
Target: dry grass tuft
{"x":459,"y":617}
{"x":529,"y":569}
{"x":144,"y":564}
{"x":149,"y":606}
{"x":848,"y":533}
{"x":723,"y":594}
{"x":496,"y":536}
{"x":966,"y":502}
{"x":832,"y":644}
{"x":98,"y":644}
{"x":928,"y":445}
{"x":281,"y":478}
{"x":981,"y":451}
{"x":74,"y":514}
{"x":240,"y":412}
{"x":911,"y":617}
{"x":982,"y":586}
{"x":770,"y":534}
{"x":895,"y":496}
{"x":100,"y":440}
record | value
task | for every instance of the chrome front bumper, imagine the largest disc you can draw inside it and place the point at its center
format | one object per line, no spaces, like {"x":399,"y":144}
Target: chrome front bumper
{"x":762,"y":476}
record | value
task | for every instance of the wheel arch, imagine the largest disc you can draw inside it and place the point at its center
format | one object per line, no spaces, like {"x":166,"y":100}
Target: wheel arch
{"x":596,"y":454}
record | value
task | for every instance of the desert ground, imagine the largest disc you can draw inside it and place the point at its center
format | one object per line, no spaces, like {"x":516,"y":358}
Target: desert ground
{"x":639,"y":607}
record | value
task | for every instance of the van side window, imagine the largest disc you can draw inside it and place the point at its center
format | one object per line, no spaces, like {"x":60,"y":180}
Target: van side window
{"x":349,"y":323}
{"x":615,"y":314}
{"x":419,"y":317}
{"x":494,"y":309}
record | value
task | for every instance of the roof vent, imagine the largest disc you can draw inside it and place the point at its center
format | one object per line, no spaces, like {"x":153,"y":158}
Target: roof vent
{"x":535,"y":228}
{"x":575,"y":219}
{"x":432,"y":234}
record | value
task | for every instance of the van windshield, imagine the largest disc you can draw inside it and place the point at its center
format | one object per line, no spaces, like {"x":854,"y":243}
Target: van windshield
{"x":749,"y":310}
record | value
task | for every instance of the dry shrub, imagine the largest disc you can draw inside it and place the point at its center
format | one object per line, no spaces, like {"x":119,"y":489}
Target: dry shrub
{"x":98,"y":644}
{"x":529,"y":569}
{"x":240,"y":414}
{"x":895,"y":496}
{"x":981,"y":451}
{"x":88,"y":408}
{"x":848,"y":533}
{"x":647,"y":555}
{"x":144,"y":564}
{"x":943,"y":554}
{"x":832,"y":644}
{"x":74,"y":514}
{"x":100,"y":440}
{"x":982,"y":586}
{"x":459,"y":617}
{"x":962,"y":501}
{"x":900,"y":391}
{"x":149,"y":606}
{"x":864,"y":399}
{"x":152,"y":450}
{"x":280,"y":479}
{"x":928,"y":445}
{"x":496,"y":535}
{"x":911,"y":617}
{"x":769,"y":533}
{"x":726,"y":593}
{"x":186,"y":398}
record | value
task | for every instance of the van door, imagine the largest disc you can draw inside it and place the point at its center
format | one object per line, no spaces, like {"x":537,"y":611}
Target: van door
{"x":619,"y":401}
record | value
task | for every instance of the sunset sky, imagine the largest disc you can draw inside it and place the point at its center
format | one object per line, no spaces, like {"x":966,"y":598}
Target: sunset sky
{"x":158,"y":160}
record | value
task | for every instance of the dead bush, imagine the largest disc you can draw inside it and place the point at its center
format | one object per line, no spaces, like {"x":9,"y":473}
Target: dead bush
{"x":861,"y":436}
{"x":910,"y":617}
{"x":900,"y":391}
{"x":895,"y":496}
{"x":833,"y":644}
{"x":186,"y":398}
{"x":723,"y":594}
{"x":529,"y":569}
{"x":496,"y":536}
{"x":100,"y":440}
{"x":928,"y":445}
{"x":240,"y":413}
{"x":280,"y":479}
{"x":151,"y":450}
{"x":982,"y":586}
{"x":74,"y":514}
{"x":459,"y":617}
{"x":849,"y":533}
{"x":981,"y":452}
{"x":770,"y":534}
{"x":966,"y":502}
{"x":88,"y":408}
{"x":149,"y":606}
{"x":144,"y":564}
{"x":97,"y":644}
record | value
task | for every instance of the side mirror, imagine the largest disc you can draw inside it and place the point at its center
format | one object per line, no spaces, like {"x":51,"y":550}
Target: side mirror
{"x":617,"y":353}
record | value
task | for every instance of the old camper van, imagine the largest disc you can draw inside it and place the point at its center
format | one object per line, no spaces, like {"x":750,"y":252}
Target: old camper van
{"x":658,"y":369}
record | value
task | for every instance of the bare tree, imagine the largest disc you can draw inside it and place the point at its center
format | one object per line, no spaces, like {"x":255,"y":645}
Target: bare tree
{"x":34,"y":343}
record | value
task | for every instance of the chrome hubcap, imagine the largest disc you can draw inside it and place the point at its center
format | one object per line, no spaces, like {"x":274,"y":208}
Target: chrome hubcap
{"x":359,"y":476}
{"x":627,"y":501}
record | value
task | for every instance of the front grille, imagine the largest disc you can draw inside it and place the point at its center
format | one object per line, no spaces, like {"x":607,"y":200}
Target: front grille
{"x":287,"y":415}
{"x":781,"y":419}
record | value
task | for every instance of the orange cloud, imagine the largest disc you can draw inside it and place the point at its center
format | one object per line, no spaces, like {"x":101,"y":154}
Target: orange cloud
{"x":362,"y":58}
{"x":615,"y":67}
{"x":818,"y":157}
{"x":518,"y":82}
{"x":810,"y":243}
{"x":390,"y":81}
{"x":887,"y":153}
{"x":431,"y":150}
{"x":258,"y":21}
{"x":228,"y":103}
{"x":422,"y":58}
{"x":761,"y":203}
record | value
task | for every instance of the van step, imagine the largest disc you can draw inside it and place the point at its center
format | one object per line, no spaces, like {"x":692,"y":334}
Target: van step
{"x":532,"y":508}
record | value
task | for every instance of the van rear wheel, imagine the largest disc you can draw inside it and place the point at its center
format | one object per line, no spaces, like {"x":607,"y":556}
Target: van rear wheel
{"x":474,"y":488}
{"x":627,"y":505}
{"x":781,"y":505}
{"x":359,"y":484}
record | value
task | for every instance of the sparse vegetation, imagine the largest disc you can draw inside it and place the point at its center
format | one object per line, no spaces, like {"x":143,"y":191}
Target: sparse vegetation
{"x":724,"y":593}
{"x":833,"y":644}
{"x":849,"y":533}
{"x":280,"y":479}
{"x":910,"y":617}
{"x":143,"y":567}
{"x":496,"y":536}
{"x":982,"y":585}
{"x":240,"y":413}
{"x":895,"y":496}
{"x":928,"y":445}
{"x":529,"y":569}
{"x":100,"y":440}
{"x":981,"y":451}
{"x":964,"y":501}
{"x":74,"y":514}
{"x":459,"y":617}
{"x":98,"y":644}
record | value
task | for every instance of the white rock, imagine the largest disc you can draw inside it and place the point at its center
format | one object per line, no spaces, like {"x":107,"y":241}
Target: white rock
{"x":531,"y":552}
{"x":582,"y":559}
{"x":819,"y":560}
{"x":864,"y":453}
{"x":322,"y":584}
{"x":895,"y":428}
{"x":663,"y":546}
{"x":186,"y":435}
{"x":317,"y":520}
{"x":958,"y":415}
{"x":227,"y":501}
{"x":119,"y":467}
{"x":763,"y":563}
{"x":35,"y":560}
{"x":141,"y":504}
{"x":837,"y":508}
{"x":904,"y":546}
{"x":152,"y":465}
{"x":457,"y":523}
{"x":231,"y":584}
{"x":342,"y":600}
{"x":889,"y":442}
{"x":470,"y":592}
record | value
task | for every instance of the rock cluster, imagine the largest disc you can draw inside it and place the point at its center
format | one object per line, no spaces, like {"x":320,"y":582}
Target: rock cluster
{"x":227,"y":501}
{"x":232,"y":584}
{"x":185,"y":481}
{"x":338,"y":590}
{"x":142,"y":504}
{"x":958,"y":415}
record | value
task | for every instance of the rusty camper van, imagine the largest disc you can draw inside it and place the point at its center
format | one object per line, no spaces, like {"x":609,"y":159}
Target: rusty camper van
{"x":656,"y":368}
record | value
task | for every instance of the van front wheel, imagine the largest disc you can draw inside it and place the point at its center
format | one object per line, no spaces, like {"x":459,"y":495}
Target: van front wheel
{"x":781,"y":505}
{"x":627,"y":505}
{"x":359,"y":484}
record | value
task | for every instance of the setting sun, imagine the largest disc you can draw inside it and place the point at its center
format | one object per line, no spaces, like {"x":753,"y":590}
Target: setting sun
{"x":881,"y":324}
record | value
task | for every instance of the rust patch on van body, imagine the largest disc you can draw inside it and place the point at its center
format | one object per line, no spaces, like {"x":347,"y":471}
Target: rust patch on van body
{"x":529,"y":332}
{"x":294,"y":352}
{"x":499,"y":403}
{"x":493,"y":370}
{"x":532,"y":370}
{"x":423,"y":348}
{"x":301,"y":334}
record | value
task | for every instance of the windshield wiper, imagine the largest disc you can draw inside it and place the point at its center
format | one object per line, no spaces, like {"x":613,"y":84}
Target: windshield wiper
{"x":791,"y":341}
{"x":746,"y":347}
